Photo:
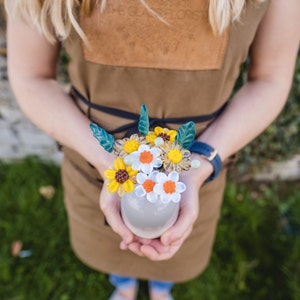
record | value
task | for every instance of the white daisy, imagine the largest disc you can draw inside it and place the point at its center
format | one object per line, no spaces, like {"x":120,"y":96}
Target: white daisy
{"x":168,"y":187}
{"x":145,"y":159}
{"x":145,"y":186}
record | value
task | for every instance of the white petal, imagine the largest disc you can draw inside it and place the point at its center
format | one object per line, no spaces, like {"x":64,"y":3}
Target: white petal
{"x":176,"y":197}
{"x":158,"y":189}
{"x":155,"y":152}
{"x":133,"y":136}
{"x":173,"y":176}
{"x":128,"y":160}
{"x":165,"y":198}
{"x":153,"y":175}
{"x":141,"y":177}
{"x":146,"y":168}
{"x":136,"y":165}
{"x":156,"y":163}
{"x":134,"y":155}
{"x":143,"y":148}
{"x":180,"y":187}
{"x":161,"y":177}
{"x":140,"y":191}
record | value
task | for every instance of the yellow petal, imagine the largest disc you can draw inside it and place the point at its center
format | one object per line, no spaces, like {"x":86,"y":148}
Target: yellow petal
{"x":113,"y":186}
{"x":119,"y":164}
{"x":131,"y":146}
{"x":128,"y":186}
{"x":172,"y":134}
{"x":131,"y":172}
{"x":151,"y":137}
{"x":110,"y":174}
{"x":158,"y":130}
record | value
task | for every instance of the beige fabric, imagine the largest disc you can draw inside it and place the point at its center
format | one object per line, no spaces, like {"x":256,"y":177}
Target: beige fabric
{"x":129,"y":35}
{"x":167,"y":93}
{"x":177,"y":92}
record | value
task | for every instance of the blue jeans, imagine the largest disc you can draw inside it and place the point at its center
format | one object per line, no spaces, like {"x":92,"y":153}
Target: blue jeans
{"x":122,"y":282}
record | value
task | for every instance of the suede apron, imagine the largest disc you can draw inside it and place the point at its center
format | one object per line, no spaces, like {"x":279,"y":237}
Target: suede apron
{"x":178,"y":68}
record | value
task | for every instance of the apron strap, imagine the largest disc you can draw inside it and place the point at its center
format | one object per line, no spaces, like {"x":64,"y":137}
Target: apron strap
{"x":132,"y":127}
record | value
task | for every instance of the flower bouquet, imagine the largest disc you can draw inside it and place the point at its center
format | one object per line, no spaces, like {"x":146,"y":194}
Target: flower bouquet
{"x":146,"y":173}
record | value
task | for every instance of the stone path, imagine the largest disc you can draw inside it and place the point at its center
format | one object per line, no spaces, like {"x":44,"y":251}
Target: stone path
{"x":283,"y":170}
{"x":18,"y":136}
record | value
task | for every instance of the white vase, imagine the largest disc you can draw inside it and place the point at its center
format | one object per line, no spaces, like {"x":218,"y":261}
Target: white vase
{"x":146,"y":219}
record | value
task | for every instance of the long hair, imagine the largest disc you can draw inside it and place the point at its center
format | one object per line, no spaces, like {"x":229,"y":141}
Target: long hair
{"x":55,"y":19}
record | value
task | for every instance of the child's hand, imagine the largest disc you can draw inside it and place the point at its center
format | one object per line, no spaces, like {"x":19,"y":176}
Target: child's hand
{"x":171,"y":241}
{"x":110,"y":206}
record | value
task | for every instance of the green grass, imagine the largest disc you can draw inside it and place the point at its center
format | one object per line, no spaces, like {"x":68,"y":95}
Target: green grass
{"x":256,"y":253}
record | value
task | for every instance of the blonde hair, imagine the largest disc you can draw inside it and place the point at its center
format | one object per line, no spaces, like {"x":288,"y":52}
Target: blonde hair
{"x":55,"y":19}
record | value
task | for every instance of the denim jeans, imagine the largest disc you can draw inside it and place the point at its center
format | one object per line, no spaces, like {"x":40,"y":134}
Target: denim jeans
{"x":127,"y":282}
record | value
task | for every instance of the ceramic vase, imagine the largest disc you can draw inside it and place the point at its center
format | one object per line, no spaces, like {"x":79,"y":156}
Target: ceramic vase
{"x":146,"y":219}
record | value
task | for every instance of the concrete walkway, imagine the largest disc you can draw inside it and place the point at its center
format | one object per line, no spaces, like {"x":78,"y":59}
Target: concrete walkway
{"x":18,"y":136}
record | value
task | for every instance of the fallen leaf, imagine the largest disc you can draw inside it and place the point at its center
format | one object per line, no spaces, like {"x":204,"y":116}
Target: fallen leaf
{"x":47,"y":191}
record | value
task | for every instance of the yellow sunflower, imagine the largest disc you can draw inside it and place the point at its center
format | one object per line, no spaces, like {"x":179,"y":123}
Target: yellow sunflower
{"x":166,"y":134}
{"x":125,"y":146}
{"x":121,"y":178}
{"x":175,"y":158}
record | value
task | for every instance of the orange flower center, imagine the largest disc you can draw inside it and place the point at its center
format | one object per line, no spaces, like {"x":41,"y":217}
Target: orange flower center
{"x":148,"y":185}
{"x":121,"y":176}
{"x":146,"y":157}
{"x":169,"y":187}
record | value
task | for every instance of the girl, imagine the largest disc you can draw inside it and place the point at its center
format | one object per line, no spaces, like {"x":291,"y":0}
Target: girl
{"x":181,"y":58}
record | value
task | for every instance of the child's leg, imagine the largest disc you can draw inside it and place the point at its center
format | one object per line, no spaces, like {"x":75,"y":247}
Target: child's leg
{"x":160,"y":290}
{"x":122,"y":282}
{"x":126,"y":287}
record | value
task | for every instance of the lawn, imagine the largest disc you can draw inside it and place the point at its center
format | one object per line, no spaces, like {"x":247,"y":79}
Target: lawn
{"x":256,"y":253}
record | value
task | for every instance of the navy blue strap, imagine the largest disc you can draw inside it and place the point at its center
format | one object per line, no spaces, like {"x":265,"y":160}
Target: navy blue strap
{"x":210,"y":154}
{"x":132,"y":127}
{"x":105,"y":109}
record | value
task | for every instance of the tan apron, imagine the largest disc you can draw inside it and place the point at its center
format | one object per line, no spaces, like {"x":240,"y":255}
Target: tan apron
{"x":178,"y":69}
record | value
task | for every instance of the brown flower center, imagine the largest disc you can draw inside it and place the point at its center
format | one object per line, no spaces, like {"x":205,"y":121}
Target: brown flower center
{"x":165,"y":137}
{"x":121,"y":176}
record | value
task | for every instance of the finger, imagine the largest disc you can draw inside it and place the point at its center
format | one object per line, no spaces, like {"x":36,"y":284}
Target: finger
{"x":158,"y":246}
{"x":154,"y":255}
{"x":135,"y":248}
{"x":143,"y":241}
{"x":155,"y":243}
{"x":180,"y":241}
{"x":123,"y":245}
{"x":113,"y":217}
{"x":182,"y":227}
{"x":151,"y":252}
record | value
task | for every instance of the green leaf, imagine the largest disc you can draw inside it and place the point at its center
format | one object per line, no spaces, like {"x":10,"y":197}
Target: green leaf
{"x":144,"y":121}
{"x":186,"y":134}
{"x":105,"y":139}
